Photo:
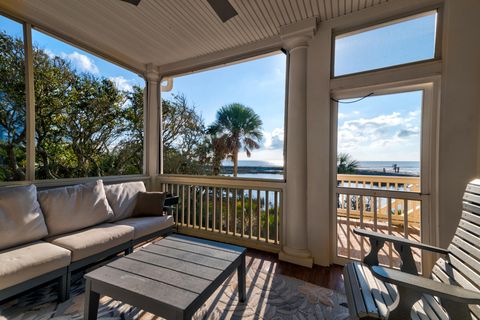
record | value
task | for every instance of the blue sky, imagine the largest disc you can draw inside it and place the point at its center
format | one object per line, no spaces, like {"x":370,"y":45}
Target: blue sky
{"x":377,"y":128}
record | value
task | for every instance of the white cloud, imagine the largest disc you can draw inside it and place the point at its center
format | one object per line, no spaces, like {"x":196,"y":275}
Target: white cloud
{"x":81,"y":62}
{"x":49,"y":53}
{"x":122,"y":83}
{"x":384,"y":136}
{"x":274,"y":139}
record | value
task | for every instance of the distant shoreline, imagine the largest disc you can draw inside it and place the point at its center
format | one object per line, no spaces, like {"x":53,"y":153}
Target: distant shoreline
{"x":279,"y":170}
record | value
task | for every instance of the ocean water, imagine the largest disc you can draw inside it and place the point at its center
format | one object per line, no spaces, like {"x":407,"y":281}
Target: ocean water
{"x":406,"y":167}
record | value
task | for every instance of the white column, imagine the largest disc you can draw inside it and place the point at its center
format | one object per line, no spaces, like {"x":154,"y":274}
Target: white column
{"x":295,"y":243}
{"x":152,"y":123}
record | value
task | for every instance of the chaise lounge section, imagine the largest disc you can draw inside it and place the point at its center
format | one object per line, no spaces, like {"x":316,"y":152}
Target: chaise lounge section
{"x":47,"y":235}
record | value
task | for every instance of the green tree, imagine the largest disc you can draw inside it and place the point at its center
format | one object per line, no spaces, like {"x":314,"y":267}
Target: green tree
{"x":345,"y":163}
{"x":237,"y":126}
{"x":12,"y":108}
{"x":184,"y":140}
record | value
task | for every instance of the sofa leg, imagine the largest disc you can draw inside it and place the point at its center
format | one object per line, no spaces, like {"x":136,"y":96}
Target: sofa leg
{"x":64,"y":292}
{"x":128,"y":250}
{"x":64,"y":284}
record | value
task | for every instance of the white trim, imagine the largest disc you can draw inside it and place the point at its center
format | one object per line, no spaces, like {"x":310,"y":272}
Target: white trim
{"x":212,"y":181}
{"x":30,"y":103}
{"x":222,"y":58}
{"x":429,"y":149}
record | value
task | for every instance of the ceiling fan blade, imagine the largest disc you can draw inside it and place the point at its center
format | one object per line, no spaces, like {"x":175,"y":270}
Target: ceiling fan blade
{"x":223,"y":8}
{"x":134,"y":2}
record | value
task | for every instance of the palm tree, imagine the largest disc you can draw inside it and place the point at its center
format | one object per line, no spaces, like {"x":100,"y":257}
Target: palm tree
{"x":237,"y":127}
{"x":345,"y":163}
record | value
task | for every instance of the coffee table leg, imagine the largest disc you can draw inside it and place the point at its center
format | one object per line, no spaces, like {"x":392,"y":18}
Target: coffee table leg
{"x":242,"y":281}
{"x":91,"y":302}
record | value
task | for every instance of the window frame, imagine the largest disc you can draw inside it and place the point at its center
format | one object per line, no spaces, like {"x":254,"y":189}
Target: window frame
{"x":379,"y":23}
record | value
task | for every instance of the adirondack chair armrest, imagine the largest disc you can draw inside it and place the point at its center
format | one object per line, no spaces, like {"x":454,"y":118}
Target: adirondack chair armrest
{"x":398,"y":240}
{"x":423,"y":285}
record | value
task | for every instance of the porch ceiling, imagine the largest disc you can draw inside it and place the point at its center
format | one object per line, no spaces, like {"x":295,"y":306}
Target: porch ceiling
{"x":163,"y":32}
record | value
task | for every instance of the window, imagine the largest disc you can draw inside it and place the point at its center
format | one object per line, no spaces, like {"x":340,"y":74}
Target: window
{"x":227,"y":121}
{"x":396,"y":43}
{"x":12,"y":101}
{"x":88,"y":113}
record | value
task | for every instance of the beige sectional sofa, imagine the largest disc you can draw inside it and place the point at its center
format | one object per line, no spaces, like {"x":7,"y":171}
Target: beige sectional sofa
{"x":47,"y":235}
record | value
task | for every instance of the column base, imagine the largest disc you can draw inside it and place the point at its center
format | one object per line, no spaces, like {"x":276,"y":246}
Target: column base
{"x":295,"y":256}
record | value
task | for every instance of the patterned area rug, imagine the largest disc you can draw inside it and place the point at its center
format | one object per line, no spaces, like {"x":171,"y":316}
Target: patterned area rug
{"x":269,"y":296}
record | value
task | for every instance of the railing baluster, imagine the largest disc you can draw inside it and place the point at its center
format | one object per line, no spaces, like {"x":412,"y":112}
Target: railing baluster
{"x":258,"y":215}
{"x":214,"y":218}
{"x":235,"y":213}
{"x":267,"y":217}
{"x":250,"y":221}
{"x":405,"y":218}
{"x":277,"y":216}
{"x":375,"y":213}
{"x":389,"y":215}
{"x":194,"y":206}
{"x":243,"y":214}
{"x":207,"y":212}
{"x":348,"y":226}
{"x":200,"y":217}
{"x":220,"y":228}
{"x":189,"y":206}
{"x":176,"y":207}
{"x":362,"y":249}
{"x":183,"y":204}
{"x":228,"y":211}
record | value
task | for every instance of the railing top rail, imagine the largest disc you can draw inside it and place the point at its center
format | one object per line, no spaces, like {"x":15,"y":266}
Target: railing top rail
{"x":227,"y":182}
{"x":377,"y":178}
{"x":381,"y":193}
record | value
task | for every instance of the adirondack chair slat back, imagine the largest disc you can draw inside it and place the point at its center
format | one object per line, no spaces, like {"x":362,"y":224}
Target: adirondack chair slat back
{"x":462,"y":265}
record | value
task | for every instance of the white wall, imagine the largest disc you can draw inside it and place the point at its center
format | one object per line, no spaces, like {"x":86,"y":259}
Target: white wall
{"x":459,"y":112}
{"x":458,"y":135}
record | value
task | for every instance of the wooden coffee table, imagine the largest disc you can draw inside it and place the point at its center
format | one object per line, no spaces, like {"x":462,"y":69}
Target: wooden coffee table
{"x":170,"y":278}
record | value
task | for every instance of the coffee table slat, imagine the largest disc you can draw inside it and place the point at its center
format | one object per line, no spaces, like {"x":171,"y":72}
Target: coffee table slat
{"x":189,"y":268}
{"x":208,"y":243}
{"x":160,"y":274}
{"x":188,"y":256}
{"x":208,"y":252}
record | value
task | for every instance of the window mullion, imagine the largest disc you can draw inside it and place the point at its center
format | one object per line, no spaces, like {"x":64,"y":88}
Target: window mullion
{"x":30,"y":103}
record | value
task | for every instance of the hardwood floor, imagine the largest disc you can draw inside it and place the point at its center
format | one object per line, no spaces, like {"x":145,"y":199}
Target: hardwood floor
{"x":328,"y":277}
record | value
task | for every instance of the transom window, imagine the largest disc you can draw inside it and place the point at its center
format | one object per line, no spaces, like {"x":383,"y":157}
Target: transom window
{"x":390,"y":44}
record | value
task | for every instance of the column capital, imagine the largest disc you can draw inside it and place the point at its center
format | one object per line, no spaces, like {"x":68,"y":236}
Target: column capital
{"x":298,"y":34}
{"x":152,"y":74}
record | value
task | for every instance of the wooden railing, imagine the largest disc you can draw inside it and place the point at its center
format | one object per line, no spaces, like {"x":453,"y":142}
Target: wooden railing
{"x":240,"y":211}
{"x":371,"y":205}
{"x":381,"y":203}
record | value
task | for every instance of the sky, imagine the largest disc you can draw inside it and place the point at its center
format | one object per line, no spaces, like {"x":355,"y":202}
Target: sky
{"x":377,"y":128}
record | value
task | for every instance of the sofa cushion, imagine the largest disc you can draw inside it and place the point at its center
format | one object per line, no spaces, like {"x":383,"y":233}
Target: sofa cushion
{"x":122,"y":198}
{"x":88,"y":242}
{"x":149,"y":204}
{"x":21,"y":219}
{"x":28,"y":261}
{"x":75,"y":207}
{"x":147,"y":225}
